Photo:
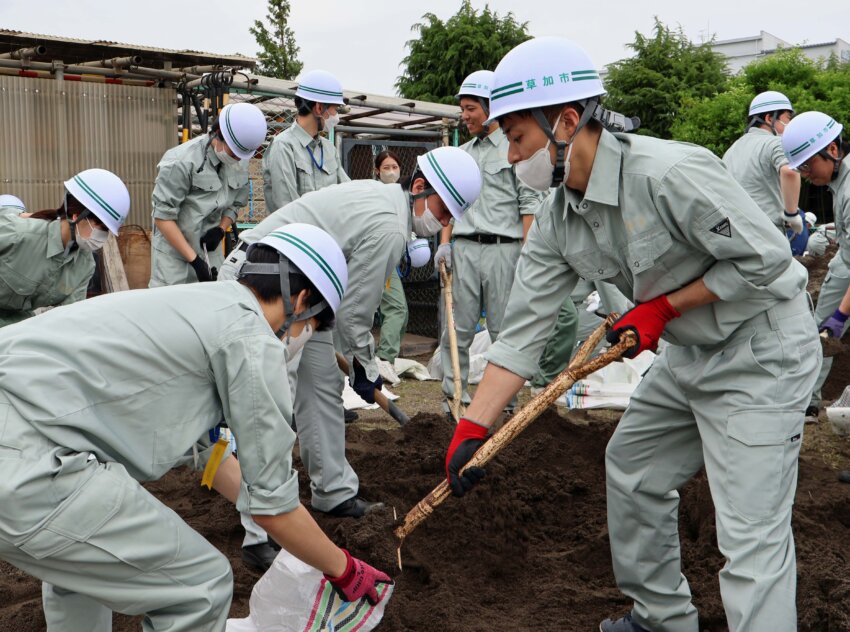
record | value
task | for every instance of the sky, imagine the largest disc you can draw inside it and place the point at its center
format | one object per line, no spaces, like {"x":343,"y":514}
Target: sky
{"x":362,"y":42}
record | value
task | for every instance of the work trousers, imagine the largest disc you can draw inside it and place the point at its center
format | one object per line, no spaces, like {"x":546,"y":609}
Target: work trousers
{"x":831,"y":292}
{"x":482,"y":274}
{"x":100,"y":542}
{"x":737,"y":408}
{"x":394,"y":319}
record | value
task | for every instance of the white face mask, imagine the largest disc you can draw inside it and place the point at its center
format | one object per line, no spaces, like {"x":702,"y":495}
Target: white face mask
{"x":294,"y":347}
{"x":226,"y":158}
{"x":95,"y":241}
{"x":426,"y":224}
{"x":332,"y":121}
{"x":388,"y":177}
{"x":536,"y":172}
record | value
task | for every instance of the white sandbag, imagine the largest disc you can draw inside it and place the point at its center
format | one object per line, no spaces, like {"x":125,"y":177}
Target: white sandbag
{"x":294,"y":597}
{"x":387,"y":371}
{"x":411,"y":368}
{"x":353,"y":401}
{"x":477,"y":363}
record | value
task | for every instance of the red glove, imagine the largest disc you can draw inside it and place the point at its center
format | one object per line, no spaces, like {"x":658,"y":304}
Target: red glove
{"x":358,"y":580}
{"x":467,"y":439}
{"x":647,"y":320}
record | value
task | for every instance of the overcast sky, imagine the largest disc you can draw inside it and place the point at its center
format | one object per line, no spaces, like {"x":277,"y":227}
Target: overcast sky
{"x":363,"y":41}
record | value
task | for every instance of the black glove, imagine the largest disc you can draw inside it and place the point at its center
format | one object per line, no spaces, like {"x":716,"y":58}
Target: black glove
{"x":202,"y":270}
{"x":363,"y":386}
{"x":212,"y":238}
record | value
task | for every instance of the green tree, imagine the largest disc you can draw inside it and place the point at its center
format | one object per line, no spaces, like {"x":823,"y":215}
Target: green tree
{"x":666,"y":70}
{"x":446,"y":52}
{"x":279,"y":54}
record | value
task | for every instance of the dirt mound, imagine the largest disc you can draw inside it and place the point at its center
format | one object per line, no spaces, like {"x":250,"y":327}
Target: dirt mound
{"x":526,"y":550}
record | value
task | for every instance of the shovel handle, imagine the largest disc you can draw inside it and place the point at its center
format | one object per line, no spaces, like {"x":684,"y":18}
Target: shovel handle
{"x":380,"y":399}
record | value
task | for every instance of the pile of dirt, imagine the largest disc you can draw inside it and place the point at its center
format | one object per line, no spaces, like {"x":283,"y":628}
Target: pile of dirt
{"x":526,"y":550}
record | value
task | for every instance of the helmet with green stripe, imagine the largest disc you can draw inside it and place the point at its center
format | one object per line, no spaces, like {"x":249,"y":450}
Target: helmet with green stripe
{"x":103,"y":194}
{"x":808,"y":134}
{"x":243,"y":127}
{"x":477,"y":86}
{"x":453,"y":175}
{"x":315,"y":254}
{"x":320,"y":86}
{"x":11,"y":201}
{"x":769,"y":102}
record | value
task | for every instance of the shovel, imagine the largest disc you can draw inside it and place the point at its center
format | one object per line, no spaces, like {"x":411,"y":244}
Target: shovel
{"x":579,"y":368}
{"x":380,"y":399}
{"x":446,"y":282}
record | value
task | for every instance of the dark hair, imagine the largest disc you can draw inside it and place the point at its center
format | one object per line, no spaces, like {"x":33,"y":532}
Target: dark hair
{"x":758,"y":119}
{"x":267,"y":286}
{"x":387,"y":153}
{"x":75,"y":207}
{"x":551,"y":113}
{"x":304,"y":106}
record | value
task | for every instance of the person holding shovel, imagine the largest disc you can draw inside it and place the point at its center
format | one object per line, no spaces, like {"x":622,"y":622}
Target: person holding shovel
{"x":482,"y":248}
{"x":815,"y":148}
{"x":129,"y":405}
{"x":198,"y":190}
{"x":670,"y":227}
{"x":372,"y":222}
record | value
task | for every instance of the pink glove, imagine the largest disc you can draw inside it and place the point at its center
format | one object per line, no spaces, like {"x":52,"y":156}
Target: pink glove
{"x":358,"y":580}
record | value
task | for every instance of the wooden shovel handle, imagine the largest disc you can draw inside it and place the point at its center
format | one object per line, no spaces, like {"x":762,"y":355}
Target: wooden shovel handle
{"x":446,"y":279}
{"x":380,"y":399}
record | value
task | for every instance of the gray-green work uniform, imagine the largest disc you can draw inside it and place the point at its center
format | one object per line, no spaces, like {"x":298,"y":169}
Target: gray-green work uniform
{"x":482,"y":273}
{"x":837,"y":278}
{"x":754,"y":160}
{"x":195,"y":189}
{"x":394,"y":316}
{"x":84,"y":419}
{"x":371,"y":222}
{"x":34,"y":271}
{"x":728,"y":393}
{"x":295,"y":163}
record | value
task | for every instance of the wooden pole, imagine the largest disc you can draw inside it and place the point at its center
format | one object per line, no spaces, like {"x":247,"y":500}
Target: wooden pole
{"x":446,"y":279}
{"x":113,"y":268}
{"x":519,"y":422}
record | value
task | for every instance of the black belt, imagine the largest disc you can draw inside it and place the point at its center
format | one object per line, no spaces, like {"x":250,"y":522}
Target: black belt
{"x":489,"y":239}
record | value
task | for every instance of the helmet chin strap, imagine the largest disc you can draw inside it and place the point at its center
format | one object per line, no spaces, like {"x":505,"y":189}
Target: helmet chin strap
{"x":72,"y":224}
{"x":280,"y":269}
{"x":561,"y":145}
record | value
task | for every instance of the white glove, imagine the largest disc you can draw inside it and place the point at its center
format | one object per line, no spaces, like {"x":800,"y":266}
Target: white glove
{"x":794,"y":222}
{"x":444,"y":253}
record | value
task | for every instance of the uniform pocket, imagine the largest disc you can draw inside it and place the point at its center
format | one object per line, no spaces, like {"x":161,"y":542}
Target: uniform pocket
{"x":593,"y":265}
{"x":16,"y":289}
{"x":206,"y":182}
{"x":645,"y":249}
{"x":762,"y":447}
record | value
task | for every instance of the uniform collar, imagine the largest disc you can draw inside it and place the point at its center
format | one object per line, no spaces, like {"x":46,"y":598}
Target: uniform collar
{"x":301,"y":134}
{"x":54,"y":239}
{"x":843,"y":171}
{"x":603,"y":186}
{"x":758,"y":130}
{"x":496,"y":138}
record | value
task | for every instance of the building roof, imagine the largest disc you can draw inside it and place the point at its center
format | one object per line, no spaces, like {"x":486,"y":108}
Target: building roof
{"x":77,"y":51}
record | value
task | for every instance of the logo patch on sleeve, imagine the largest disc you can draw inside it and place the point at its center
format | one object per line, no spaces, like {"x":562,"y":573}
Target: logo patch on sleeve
{"x":723,"y":228}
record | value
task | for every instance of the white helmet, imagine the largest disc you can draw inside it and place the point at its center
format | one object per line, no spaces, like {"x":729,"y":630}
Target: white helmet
{"x":807,"y":134}
{"x":811,"y":219}
{"x":12,"y":201}
{"x":243,"y":128}
{"x":454,"y":175}
{"x":320,"y":86}
{"x":768,"y":102}
{"x":316,"y":254}
{"x":419,"y":252}
{"x":543,"y":71}
{"x":476,"y":85}
{"x":103,"y":194}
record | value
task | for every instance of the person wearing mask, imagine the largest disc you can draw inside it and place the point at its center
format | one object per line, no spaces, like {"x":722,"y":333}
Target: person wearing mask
{"x":672,"y":229}
{"x":199,"y":188}
{"x":46,"y":258}
{"x":393,"y":307}
{"x":758,"y":163}
{"x":815,"y":148}
{"x":72,"y":510}
{"x":482,"y":248}
{"x":299,"y":159}
{"x":371,"y":222}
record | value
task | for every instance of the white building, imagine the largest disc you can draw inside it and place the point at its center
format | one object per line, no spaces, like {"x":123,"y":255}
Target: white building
{"x":741,"y":51}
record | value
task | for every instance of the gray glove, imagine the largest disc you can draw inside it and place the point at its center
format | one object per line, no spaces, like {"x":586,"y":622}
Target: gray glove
{"x":444,"y":253}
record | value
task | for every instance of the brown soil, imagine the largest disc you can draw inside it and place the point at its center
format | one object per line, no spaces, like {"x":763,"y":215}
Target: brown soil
{"x":531,"y":536}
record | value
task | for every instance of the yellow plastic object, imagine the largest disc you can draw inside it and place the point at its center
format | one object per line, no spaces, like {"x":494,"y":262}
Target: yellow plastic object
{"x":213,"y":463}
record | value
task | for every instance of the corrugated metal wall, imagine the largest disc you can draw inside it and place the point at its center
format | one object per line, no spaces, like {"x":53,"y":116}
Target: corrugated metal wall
{"x":50,"y":130}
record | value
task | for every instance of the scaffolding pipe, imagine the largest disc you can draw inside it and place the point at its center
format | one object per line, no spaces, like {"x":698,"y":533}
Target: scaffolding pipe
{"x":25,"y":54}
{"x":388,"y":131}
{"x":44,"y":74}
{"x":115,"y":62}
{"x":132,"y":72}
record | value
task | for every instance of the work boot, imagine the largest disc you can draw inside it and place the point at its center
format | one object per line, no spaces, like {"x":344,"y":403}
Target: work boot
{"x":844,"y":476}
{"x":626,"y":624}
{"x":812,"y":415}
{"x":259,"y":556}
{"x":350,"y":416}
{"x":354,"y":508}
